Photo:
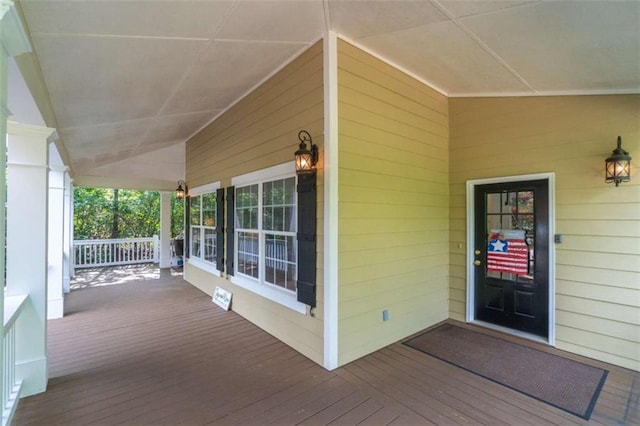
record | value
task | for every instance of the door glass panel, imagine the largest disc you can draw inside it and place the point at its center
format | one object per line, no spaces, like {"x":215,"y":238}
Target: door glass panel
{"x":494,"y":203}
{"x":525,"y":202}
{"x":510,"y":239}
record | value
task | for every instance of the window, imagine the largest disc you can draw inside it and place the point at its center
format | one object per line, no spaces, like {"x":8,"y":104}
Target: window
{"x":266,"y":232}
{"x":265,"y":247}
{"x":202,"y":223}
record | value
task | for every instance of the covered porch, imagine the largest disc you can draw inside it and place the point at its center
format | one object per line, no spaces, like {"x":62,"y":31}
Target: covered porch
{"x":155,"y":350}
{"x":94,"y":100}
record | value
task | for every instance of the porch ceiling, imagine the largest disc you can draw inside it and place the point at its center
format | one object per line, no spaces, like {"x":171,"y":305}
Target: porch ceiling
{"x":121,"y":80}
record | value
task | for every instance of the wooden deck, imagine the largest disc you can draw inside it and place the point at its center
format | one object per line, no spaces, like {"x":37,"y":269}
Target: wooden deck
{"x":154,"y":350}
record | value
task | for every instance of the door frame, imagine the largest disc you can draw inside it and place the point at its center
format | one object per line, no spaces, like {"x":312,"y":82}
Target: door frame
{"x":471,"y":270}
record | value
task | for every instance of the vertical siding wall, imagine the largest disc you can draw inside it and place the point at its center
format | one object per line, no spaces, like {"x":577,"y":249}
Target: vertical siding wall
{"x":393,"y":204}
{"x":598,"y":264}
{"x":258,"y":132}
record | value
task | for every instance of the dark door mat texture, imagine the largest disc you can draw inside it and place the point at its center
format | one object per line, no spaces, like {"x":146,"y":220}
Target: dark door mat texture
{"x":566,"y":384}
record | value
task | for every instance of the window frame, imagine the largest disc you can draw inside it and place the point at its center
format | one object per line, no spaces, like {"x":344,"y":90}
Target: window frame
{"x":269,"y":291}
{"x":200,"y":262}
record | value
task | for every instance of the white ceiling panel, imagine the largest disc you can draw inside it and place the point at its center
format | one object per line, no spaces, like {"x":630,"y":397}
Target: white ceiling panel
{"x":571,"y":47}
{"x":115,"y":135}
{"x":133,"y":18}
{"x":174,"y":128}
{"x":274,"y":21}
{"x":128,"y":77}
{"x":98,"y":158}
{"x":93,"y":80}
{"x":446,"y":57}
{"x":214,"y":83}
{"x":117,"y":138}
{"x":460,"y":8}
{"x":162,"y":164}
{"x":357,"y":19}
{"x":154,"y":145}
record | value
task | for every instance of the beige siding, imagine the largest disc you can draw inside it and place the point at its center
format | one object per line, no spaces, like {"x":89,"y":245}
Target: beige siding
{"x":258,"y":132}
{"x":598,"y":264}
{"x":393,"y":204}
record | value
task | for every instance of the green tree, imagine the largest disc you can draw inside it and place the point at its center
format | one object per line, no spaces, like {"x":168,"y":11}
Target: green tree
{"x":121,"y":213}
{"x":92,"y":213}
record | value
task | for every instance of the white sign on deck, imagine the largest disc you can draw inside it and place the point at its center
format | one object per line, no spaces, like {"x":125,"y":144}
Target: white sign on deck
{"x":222,"y":298}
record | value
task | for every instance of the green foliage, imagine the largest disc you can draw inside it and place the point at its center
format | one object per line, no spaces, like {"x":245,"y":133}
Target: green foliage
{"x":137,"y":212}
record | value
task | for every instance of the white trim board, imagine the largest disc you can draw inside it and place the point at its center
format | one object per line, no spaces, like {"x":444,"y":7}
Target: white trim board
{"x":545,"y":93}
{"x":204,"y":189}
{"x":283,"y":170}
{"x":330,"y":170}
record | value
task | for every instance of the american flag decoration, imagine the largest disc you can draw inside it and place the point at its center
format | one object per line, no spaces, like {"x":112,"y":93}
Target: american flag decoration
{"x":507,"y":251}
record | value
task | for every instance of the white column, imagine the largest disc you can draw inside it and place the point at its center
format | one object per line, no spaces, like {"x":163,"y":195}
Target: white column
{"x":165,"y":229}
{"x":27,"y":211}
{"x":13,"y":41}
{"x":329,"y":174}
{"x":55,"y":257}
{"x":4,"y":113}
{"x":67,"y":234}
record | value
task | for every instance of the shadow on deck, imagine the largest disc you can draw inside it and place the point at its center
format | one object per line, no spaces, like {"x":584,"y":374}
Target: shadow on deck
{"x":155,"y":350}
{"x":110,"y":275}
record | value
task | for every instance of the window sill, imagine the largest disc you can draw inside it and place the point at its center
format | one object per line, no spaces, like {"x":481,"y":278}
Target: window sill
{"x":282,"y":297}
{"x":205,"y":266}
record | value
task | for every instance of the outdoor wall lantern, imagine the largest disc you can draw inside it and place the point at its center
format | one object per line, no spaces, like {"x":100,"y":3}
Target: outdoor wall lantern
{"x":618,"y":166}
{"x":306,"y":159}
{"x":181,"y":191}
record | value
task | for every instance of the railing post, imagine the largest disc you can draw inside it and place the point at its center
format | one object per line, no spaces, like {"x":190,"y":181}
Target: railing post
{"x":156,"y":249}
{"x":11,"y":384}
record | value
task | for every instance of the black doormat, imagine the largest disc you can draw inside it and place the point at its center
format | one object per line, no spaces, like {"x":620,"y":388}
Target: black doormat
{"x":563,"y":383}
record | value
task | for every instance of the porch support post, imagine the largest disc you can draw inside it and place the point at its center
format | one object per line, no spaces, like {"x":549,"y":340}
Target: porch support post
{"x":4,"y":113}
{"x":55,"y":270}
{"x":165,"y":229}
{"x":27,"y":220}
{"x":13,"y":42}
{"x":67,"y":223}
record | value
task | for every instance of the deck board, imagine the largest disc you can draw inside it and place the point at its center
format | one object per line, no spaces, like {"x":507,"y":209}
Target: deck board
{"x":156,"y":351}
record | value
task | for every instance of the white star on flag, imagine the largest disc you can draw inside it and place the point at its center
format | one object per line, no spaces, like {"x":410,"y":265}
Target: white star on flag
{"x":498,"y":245}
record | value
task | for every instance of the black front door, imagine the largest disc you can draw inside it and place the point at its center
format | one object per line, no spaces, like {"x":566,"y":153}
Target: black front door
{"x":511,"y":255}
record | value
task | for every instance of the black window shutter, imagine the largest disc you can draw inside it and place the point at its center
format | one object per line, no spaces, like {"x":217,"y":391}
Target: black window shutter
{"x":306,"y":284}
{"x":187,"y":230}
{"x":231,"y":227}
{"x":220,"y":229}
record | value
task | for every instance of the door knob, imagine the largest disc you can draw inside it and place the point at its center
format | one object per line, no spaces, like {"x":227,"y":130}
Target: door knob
{"x":477,"y":262}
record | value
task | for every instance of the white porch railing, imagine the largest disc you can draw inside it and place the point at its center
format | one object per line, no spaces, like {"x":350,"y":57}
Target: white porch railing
{"x":11,"y":385}
{"x":126,"y":251}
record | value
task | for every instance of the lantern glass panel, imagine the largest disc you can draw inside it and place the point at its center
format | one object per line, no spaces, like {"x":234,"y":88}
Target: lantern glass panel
{"x":304,"y":162}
